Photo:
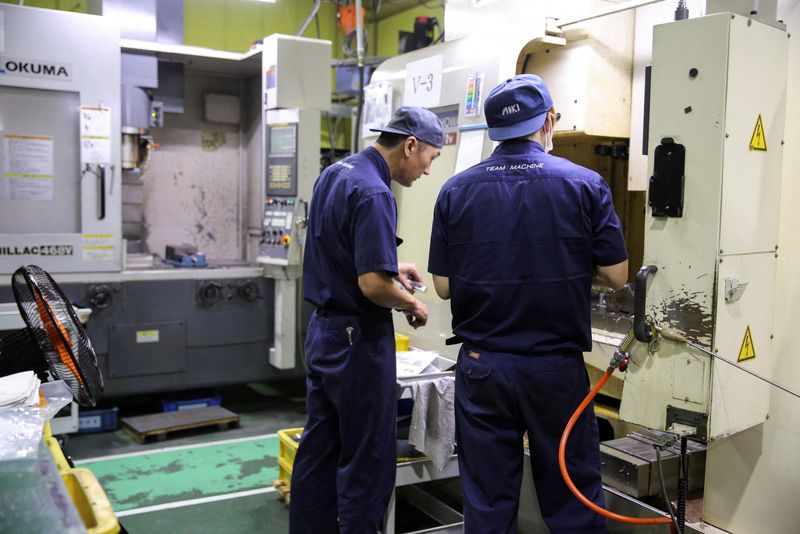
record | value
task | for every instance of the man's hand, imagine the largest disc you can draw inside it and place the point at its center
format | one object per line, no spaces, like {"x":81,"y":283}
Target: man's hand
{"x":381,"y":289}
{"x":418,"y":316}
{"x":406,"y":272}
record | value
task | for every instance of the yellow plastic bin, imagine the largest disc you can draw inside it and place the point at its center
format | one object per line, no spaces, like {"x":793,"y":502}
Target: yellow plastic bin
{"x":401,"y":342}
{"x":288,"y":441}
{"x":91,"y":501}
{"x":87,"y":494}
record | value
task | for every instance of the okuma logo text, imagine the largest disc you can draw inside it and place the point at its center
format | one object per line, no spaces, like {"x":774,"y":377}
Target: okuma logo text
{"x":35,"y":68}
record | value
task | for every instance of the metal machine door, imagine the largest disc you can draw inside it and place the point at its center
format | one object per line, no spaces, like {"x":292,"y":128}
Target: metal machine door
{"x":60,"y":185}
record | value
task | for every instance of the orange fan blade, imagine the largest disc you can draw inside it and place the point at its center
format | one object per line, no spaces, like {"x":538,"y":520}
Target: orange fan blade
{"x":52,"y":327}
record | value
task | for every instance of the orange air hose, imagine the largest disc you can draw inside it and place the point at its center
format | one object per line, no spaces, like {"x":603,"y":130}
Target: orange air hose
{"x":562,"y":463}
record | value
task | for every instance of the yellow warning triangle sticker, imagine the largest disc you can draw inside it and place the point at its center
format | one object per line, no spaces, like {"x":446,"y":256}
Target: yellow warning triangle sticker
{"x":748,"y":350}
{"x":758,"y":141}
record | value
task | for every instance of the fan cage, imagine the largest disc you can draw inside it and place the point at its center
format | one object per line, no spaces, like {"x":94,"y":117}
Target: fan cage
{"x":55,"y":327}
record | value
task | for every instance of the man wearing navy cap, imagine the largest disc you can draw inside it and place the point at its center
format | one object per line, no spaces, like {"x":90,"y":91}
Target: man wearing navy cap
{"x":344,"y":471}
{"x":516,"y":240}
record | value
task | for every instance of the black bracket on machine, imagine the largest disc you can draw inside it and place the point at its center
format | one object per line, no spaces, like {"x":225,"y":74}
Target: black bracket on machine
{"x":697,"y":420}
{"x":665,"y":196}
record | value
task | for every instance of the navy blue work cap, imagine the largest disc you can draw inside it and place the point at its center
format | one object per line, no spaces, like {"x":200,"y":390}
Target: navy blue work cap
{"x":419,"y":122}
{"x":517,"y":107}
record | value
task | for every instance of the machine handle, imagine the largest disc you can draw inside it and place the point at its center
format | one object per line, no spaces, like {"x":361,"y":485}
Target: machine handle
{"x":640,"y":329}
{"x":101,"y":192}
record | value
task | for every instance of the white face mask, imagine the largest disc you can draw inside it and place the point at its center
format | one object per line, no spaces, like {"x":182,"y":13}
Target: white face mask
{"x":548,"y":140}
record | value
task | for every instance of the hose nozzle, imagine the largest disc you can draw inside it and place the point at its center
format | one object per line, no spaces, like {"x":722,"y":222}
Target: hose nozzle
{"x":621,"y":355}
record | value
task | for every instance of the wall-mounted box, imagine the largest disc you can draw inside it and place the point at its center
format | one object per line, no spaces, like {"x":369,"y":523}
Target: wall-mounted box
{"x":589,"y":77}
{"x":296,"y":72}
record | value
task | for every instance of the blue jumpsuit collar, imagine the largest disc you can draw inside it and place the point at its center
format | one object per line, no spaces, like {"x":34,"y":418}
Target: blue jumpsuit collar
{"x":380,"y":164}
{"x":518,"y":147}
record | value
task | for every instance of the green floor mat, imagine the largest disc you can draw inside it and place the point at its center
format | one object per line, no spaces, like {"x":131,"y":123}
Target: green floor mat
{"x":170,"y":476}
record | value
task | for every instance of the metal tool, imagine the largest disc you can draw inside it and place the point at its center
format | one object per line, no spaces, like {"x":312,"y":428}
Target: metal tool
{"x":418,"y":286}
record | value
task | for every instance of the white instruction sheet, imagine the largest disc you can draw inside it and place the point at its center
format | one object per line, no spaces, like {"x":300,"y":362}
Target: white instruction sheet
{"x":470,"y":149}
{"x":29,"y":167}
{"x":96,"y":135}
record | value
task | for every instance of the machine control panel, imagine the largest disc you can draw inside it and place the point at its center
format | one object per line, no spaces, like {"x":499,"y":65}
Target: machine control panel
{"x":282,"y":160}
{"x":277,"y":230}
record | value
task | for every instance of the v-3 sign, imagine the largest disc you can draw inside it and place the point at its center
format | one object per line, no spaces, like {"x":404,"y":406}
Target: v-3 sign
{"x":423,"y":85}
{"x":420,"y":84}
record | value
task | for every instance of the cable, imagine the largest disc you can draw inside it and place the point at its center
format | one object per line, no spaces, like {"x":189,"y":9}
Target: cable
{"x":562,"y":464}
{"x":441,"y":32}
{"x":683,"y":486}
{"x":347,"y":43}
{"x":745,"y":369}
{"x":299,"y":304}
{"x":360,"y":110}
{"x":664,"y":488}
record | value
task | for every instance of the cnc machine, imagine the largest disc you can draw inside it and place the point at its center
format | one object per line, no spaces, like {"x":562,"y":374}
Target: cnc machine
{"x":220,"y":149}
{"x":708,"y":125}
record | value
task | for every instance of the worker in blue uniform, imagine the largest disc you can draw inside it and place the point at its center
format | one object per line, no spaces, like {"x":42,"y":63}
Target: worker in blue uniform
{"x":516,"y":241}
{"x":344,"y":470}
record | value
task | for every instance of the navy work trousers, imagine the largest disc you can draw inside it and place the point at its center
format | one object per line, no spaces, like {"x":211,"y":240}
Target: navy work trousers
{"x":500,"y":396}
{"x":344,"y":471}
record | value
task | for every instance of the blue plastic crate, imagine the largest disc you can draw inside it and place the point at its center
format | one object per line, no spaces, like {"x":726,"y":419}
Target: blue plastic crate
{"x":177,"y":405}
{"x":404,"y":409}
{"x":97,"y":420}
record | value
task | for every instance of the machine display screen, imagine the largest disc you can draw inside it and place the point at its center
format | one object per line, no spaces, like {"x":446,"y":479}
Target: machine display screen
{"x":282,"y":140}
{"x":281,"y":175}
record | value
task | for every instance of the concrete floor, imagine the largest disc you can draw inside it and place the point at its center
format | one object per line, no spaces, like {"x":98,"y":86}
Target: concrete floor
{"x":205,"y":481}
{"x":213,"y":481}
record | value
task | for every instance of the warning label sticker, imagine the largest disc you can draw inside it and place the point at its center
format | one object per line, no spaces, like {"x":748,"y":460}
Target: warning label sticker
{"x":758,"y":141}
{"x":748,"y":350}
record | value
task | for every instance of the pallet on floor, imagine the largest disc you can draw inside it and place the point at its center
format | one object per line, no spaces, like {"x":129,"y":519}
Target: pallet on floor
{"x":160,"y":425}
{"x":284,"y":494}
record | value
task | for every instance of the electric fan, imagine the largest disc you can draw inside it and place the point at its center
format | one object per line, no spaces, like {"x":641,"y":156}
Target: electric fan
{"x":54,"y":339}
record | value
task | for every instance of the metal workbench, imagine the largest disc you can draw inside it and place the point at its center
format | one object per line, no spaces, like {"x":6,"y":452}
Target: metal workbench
{"x":413,"y":472}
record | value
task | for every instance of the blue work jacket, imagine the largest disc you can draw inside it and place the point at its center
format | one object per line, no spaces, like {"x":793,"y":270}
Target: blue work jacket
{"x":519,"y":235}
{"x":351,"y":231}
